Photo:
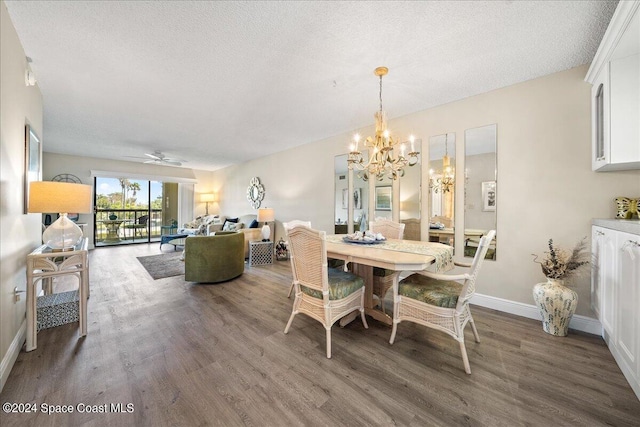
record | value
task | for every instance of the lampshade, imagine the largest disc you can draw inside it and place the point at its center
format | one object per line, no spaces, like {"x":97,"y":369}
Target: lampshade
{"x":49,"y":196}
{"x":208,"y":197}
{"x":61,"y":197}
{"x":266,"y":215}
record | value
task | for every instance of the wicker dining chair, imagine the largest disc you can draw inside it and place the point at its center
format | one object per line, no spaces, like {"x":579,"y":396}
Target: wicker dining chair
{"x":287,"y":226}
{"x":321,"y":293}
{"x":441,"y":301}
{"x":383,"y":278}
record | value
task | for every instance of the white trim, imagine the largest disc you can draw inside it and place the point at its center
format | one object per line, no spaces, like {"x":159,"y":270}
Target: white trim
{"x":618,"y":24}
{"x":578,"y":322}
{"x":160,"y":178}
{"x":11,"y":355}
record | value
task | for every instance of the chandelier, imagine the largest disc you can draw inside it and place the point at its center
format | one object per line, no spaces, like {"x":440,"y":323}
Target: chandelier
{"x":445,"y":180}
{"x":387,"y":153}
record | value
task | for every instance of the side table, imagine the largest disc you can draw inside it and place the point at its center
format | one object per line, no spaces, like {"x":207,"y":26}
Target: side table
{"x":260,"y":253}
{"x":43,"y":264}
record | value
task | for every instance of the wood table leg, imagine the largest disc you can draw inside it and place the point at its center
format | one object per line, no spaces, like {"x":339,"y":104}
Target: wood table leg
{"x":366,"y":272}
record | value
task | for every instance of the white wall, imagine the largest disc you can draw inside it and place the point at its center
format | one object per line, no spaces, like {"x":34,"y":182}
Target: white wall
{"x":546,"y":188}
{"x":19,"y":233}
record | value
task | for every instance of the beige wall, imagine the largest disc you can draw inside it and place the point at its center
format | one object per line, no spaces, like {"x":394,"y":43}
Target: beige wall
{"x":19,"y":233}
{"x":546,"y":188}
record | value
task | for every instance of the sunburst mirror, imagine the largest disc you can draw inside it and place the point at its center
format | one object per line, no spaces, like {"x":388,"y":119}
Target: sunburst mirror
{"x":255,"y":192}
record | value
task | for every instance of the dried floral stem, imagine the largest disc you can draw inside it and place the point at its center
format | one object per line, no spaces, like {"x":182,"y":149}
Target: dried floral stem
{"x":558,"y":263}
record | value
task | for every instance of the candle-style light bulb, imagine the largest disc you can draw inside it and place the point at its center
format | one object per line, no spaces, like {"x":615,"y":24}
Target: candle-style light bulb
{"x":412,"y":139}
{"x":356,"y":138}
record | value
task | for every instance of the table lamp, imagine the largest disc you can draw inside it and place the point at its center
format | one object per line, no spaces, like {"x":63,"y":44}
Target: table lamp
{"x":62,"y":197}
{"x":207,"y":198}
{"x":266,"y":215}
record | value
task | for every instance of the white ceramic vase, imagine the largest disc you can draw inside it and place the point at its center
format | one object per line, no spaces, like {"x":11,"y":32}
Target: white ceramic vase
{"x":556,"y":303}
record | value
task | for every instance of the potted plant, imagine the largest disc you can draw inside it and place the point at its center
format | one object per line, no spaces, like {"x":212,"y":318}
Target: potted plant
{"x":556,"y":302}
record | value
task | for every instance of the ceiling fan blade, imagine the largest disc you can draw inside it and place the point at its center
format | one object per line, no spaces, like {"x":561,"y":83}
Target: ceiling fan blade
{"x":156,"y":155}
{"x":172,"y":162}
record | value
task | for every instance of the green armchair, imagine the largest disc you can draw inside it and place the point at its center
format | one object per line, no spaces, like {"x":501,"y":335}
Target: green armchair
{"x":212,"y":259}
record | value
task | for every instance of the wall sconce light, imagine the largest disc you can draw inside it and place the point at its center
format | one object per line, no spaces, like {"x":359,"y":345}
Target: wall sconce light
{"x":29,"y":77}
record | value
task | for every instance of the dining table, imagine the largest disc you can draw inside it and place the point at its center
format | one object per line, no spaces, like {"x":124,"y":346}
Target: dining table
{"x":391,"y":254}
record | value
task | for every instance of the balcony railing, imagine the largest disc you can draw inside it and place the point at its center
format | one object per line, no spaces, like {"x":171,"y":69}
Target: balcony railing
{"x":120,"y":226}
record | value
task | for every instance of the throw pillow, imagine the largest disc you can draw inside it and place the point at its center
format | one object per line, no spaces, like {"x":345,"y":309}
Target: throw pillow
{"x":231,"y":226}
{"x":254,"y":224}
{"x":227,"y":221}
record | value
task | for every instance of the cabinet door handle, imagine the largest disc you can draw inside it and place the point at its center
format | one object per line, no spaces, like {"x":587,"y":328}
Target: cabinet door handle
{"x":628,"y":247}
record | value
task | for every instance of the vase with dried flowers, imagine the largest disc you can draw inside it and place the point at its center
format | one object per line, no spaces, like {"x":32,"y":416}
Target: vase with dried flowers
{"x":556,"y":302}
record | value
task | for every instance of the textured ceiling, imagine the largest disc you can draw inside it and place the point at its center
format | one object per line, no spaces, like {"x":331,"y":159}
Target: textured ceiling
{"x":219,"y":83}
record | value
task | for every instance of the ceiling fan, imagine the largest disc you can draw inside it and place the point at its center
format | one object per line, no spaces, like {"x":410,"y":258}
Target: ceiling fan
{"x":157,"y":158}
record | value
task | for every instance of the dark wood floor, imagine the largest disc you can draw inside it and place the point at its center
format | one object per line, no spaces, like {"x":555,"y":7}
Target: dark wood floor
{"x":185,"y":354}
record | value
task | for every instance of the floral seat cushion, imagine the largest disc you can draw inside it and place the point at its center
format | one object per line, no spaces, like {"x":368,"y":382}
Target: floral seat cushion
{"x":441,"y":293}
{"x":341,"y":285}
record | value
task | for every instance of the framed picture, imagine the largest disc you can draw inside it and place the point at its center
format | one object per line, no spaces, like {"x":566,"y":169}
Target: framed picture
{"x":357,"y":198}
{"x":489,"y":196}
{"x":32,"y":162}
{"x":383,"y":198}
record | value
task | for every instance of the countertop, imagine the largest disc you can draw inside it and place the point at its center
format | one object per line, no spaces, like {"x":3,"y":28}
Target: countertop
{"x":626,"y":225}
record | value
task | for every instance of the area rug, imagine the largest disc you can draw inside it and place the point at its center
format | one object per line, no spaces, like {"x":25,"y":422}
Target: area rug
{"x":163,"y":265}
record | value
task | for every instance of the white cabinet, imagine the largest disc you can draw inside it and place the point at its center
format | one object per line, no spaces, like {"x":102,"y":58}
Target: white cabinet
{"x":603,"y":290}
{"x":628,"y":279}
{"x":615,"y":295}
{"x":615,"y":95}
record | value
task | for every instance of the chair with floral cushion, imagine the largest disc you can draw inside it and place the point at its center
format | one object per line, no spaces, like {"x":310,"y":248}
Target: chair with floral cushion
{"x":287,"y":226}
{"x":441,"y":301}
{"x":383,"y":278}
{"x":321,"y":293}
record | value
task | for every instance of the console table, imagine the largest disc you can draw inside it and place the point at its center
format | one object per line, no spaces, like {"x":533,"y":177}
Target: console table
{"x":43,"y":264}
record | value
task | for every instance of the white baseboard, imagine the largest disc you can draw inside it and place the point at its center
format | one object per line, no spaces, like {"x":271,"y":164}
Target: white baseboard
{"x":580,"y":323}
{"x":12,"y":354}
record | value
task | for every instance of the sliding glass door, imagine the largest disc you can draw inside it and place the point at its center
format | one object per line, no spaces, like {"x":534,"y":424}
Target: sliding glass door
{"x":132,"y":210}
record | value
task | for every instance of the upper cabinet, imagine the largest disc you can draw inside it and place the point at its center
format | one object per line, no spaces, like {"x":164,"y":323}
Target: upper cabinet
{"x":615,"y":95}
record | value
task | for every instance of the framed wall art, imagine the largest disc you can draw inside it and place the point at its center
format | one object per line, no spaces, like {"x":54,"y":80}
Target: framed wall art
{"x":489,"y":196}
{"x":383,"y":198}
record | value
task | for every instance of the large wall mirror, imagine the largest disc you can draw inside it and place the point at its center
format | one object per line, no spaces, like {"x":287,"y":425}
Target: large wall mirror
{"x":481,"y":188}
{"x":410,"y":199}
{"x":358,"y":198}
{"x":442,"y":160}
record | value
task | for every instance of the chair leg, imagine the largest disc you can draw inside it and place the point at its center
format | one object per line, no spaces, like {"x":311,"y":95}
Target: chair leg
{"x":473,"y":324}
{"x":465,"y":359}
{"x":473,"y":328}
{"x":364,"y":320}
{"x":290,"y":290}
{"x":293,"y":314}
{"x":329,"y":343}
{"x":394,"y":329}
